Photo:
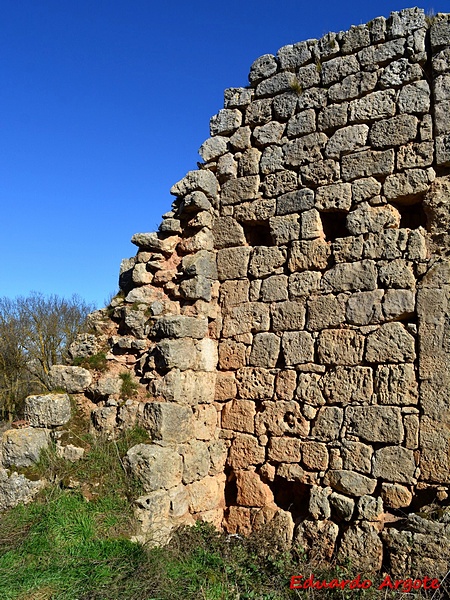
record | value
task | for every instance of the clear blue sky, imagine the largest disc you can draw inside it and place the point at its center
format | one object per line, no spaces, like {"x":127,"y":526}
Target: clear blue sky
{"x":103,"y":107}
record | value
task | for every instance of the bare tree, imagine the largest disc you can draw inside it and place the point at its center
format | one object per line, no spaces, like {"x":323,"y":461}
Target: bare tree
{"x":35,"y":333}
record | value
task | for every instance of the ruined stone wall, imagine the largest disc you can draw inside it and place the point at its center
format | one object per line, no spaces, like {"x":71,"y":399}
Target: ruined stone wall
{"x":289,"y":323}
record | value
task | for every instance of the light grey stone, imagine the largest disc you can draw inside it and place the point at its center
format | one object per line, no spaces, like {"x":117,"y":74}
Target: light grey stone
{"x":364,"y":308}
{"x":227,"y":232}
{"x":360,"y":275}
{"x":195,"y":461}
{"x":17,"y":489}
{"x":203,"y":181}
{"x":301,"y":124}
{"x":194,"y":202}
{"x":342,"y":506}
{"x":201,"y":263}
{"x":152,"y":241}
{"x":304,"y":284}
{"x":381,"y":54}
{"x":248,"y":163}
{"x":355,"y":38}
{"x":70,"y":452}
{"x":294,"y":55}
{"x":73,"y":380}
{"x":294,"y":202}
{"x":279,"y":183}
{"x":328,"y":423}
{"x":361,"y":545}
{"x":107,"y":385}
{"x":370,"y":508}
{"x":168,"y":422}
{"x":259,"y":112}
{"x":418,"y":155}
{"x":22,"y":447}
{"x":303,"y":150}
{"x":238,"y":190}
{"x":406,"y":186}
{"x":312,"y":98}
{"x":225,"y":122}
{"x":347,"y":249}
{"x":237,"y":97}
{"x":337,"y":68}
{"x":393,"y":132}
{"x":346,"y":140}
{"x":256,"y":211}
{"x":337,"y":196}
{"x":394,"y":464}
{"x":270,"y":133}
{"x":274,"y":289}
{"x":365,"y":189}
{"x":271,"y":160}
{"x":277,"y":84}
{"x":325,"y":311}
{"x":391,"y":343}
{"x":49,"y":410}
{"x":156,"y":467}
{"x":372,"y":219}
{"x":298,"y":347}
{"x":398,"y":304}
{"x":311,"y":225}
{"x":241,"y":138}
{"x":197,"y":288}
{"x":396,"y":274}
{"x":377,"y":105}
{"x":367,"y":163}
{"x":414,"y":98}
{"x":353,"y":86}
{"x":180,"y":326}
{"x":333,"y":116}
{"x":186,"y":387}
{"x":380,"y":424}
{"x":265,"y":350}
{"x":263,"y":67}
{"x":399,"y":73}
{"x":284,"y":105}
{"x":246,"y":318}
{"x":320,"y":172}
{"x":140,"y":274}
{"x":319,"y":506}
{"x":265,"y":259}
{"x":213,"y":147}
{"x":348,"y":482}
{"x":284,"y":229}
{"x":356,"y":456}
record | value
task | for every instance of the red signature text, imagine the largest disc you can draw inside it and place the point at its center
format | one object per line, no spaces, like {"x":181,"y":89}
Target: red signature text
{"x":299,"y":582}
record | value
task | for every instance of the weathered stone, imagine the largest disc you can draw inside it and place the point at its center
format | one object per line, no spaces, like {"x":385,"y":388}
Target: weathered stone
{"x":205,"y":494}
{"x":361,"y":275}
{"x":246,"y":318}
{"x":405,"y":187}
{"x":317,"y":538}
{"x":271,"y":160}
{"x":70,"y":452}
{"x":325,"y":311}
{"x":346,"y":140}
{"x":398,"y":304}
{"x":361,"y":545}
{"x":288,"y":316}
{"x":259,"y":112}
{"x":17,"y":489}
{"x":227,"y":232}
{"x":225,"y":388}
{"x":284,"y":105}
{"x":365,"y":189}
{"x":395,"y":464}
{"x":203,"y":181}
{"x":342,"y":506}
{"x":284,"y":449}
{"x":377,"y":105}
{"x":285,"y":384}
{"x":314,"y":456}
{"x":414,"y":98}
{"x":294,"y":55}
{"x":353,"y":86}
{"x":245,"y":451}
{"x":155,"y":467}
{"x":345,"y":385}
{"x":350,"y":483}
{"x":396,"y":274}
{"x":232,"y":263}
{"x":382,"y":53}
{"x":264,"y":260}
{"x":398,"y":73}
{"x":348,"y":249}
{"x":202,"y":239}
{"x":107,"y":385}
{"x":235,"y":191}
{"x":225,"y":122}
{"x":255,"y":383}
{"x":251,"y":491}
{"x":284,"y":229}
{"x":328,"y":424}
{"x":274,"y":288}
{"x":298,"y":347}
{"x":319,"y":506}
{"x":50,"y":410}
{"x":356,"y":456}
{"x":234,"y":292}
{"x":304,"y":284}
{"x":256,"y":211}
{"x":22,"y":447}
{"x":333,"y":197}
{"x":179,"y":326}
{"x":226,"y":167}
{"x":301,"y":124}
{"x":337,"y":68}
{"x":309,"y":389}
{"x":357,"y":37}
{"x":168,"y":422}
{"x":141,"y":275}
{"x":333,"y":116}
{"x":367,"y":163}
{"x":262,"y":67}
{"x":375,"y":423}
{"x":202,"y":263}
{"x":197,"y":288}
{"x":294,"y":202}
{"x":395,"y":495}
{"x":320,"y":172}
{"x":265,"y":350}
{"x":340,"y":347}
{"x":372,"y":219}
{"x":364,"y":308}
{"x":280,"y":418}
{"x":282,"y":182}
{"x":306,"y":255}
{"x":391,"y":343}
{"x":195,"y":461}
{"x":187,"y":387}
{"x":235,"y":97}
{"x":239,"y":415}
{"x":396,"y":385}
{"x":303,"y":150}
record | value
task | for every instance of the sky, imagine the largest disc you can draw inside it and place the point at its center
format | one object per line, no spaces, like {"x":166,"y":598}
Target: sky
{"x":104,"y":105}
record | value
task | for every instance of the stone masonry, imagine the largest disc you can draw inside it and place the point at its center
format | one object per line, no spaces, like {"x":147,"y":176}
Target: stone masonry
{"x":289,"y":321}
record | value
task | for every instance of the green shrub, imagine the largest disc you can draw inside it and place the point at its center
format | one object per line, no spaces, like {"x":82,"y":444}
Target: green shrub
{"x":129,"y":386}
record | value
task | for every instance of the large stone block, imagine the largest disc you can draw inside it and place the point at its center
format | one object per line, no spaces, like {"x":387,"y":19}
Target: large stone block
{"x":337,"y":196}
{"x":201,"y":180}
{"x":288,"y":316}
{"x":205,"y":495}
{"x":22,"y":447}
{"x":298,"y":347}
{"x":393,"y":132}
{"x":233,"y":292}
{"x":367,"y":163}
{"x":348,"y":482}
{"x":274,"y":289}
{"x":340,"y":347}
{"x":364,"y":308}
{"x":391,"y":343}
{"x":168,"y":422}
{"x":245,"y":451}
{"x":304,"y":150}
{"x":195,"y":461}
{"x":325,"y":311}
{"x":17,"y":489}
{"x":281,"y":418}
{"x":395,"y":464}
{"x":396,"y":385}
{"x":380,"y":424}
{"x":284,"y":449}
{"x":361,"y":545}
{"x":372,"y":219}
{"x":404,"y":187}
{"x":73,"y":380}
{"x":246,"y":318}
{"x":357,"y":276}
{"x":306,"y":255}
{"x":50,"y":410}
{"x":255,"y":383}
{"x":345,"y":385}
{"x":328,"y":423}
{"x":346,"y":140}
{"x":156,"y":467}
{"x":265,"y":350}
{"x":186,"y":387}
{"x":179,"y":326}
{"x":356,"y":456}
{"x":265,"y":260}
{"x":239,"y":415}
{"x":251,"y":491}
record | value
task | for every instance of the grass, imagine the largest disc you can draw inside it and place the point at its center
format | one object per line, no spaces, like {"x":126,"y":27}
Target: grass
{"x":129,"y":386}
{"x":97,"y":362}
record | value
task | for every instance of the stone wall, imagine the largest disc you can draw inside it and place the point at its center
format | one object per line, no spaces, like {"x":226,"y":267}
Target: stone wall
{"x":289,"y":322}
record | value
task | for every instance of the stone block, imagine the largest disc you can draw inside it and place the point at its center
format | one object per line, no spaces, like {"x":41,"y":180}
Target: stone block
{"x":259,"y":112}
{"x":274,"y":289}
{"x":396,"y":274}
{"x":251,"y":491}
{"x":380,"y":424}
{"x":314,"y":456}
{"x":227,"y":232}
{"x":396,"y":384}
{"x":440,"y":31}
{"x":398,"y":304}
{"x":73,"y":380}
{"x":328,"y":423}
{"x":304,"y":284}
{"x":200,"y":264}
{"x":394,"y":464}
{"x":414,"y":98}
{"x":179,"y":326}
{"x":284,"y":449}
{"x":381,"y":54}
{"x":255,"y":211}
{"x":405,"y":187}
{"x":400,"y":72}
{"x":255,"y":383}
{"x":271,"y":160}
{"x":305,"y":149}
{"x":285,"y":384}
{"x":234,"y":291}
{"x":265,"y":260}
{"x":377,"y":105}
{"x":49,"y":410}
{"x":245,"y":451}
{"x":225,"y":388}
{"x":340,"y":347}
{"x":280,"y":418}
{"x":367,"y":163}
{"x":246,"y":318}
{"x":270,"y":133}
{"x":311,"y":225}
{"x":22,"y":447}
{"x":318,"y":538}
{"x":308,"y":255}
{"x":232,"y":263}
{"x":225,"y":122}
{"x":411,"y":424}
{"x":348,"y":482}
{"x":279,"y":183}
{"x":298,"y":347}
{"x":17,"y":489}
{"x":391,"y":343}
{"x":353,"y":86}
{"x":213,"y":147}
{"x":356,"y":456}
{"x":325,"y":311}
{"x":361,"y":545}
{"x":168,"y":422}
{"x":237,"y":190}
{"x":364,"y":308}
{"x":393,"y":132}
{"x":344,"y":277}
{"x":333,"y":197}
{"x":288,"y":316}
{"x":301,"y":124}
{"x":337,"y":68}
{"x":294,"y":55}
{"x":284,"y":229}
{"x":237,"y":97}
{"x":348,"y":249}
{"x":346,"y":385}
{"x":201,"y":181}
{"x":342,"y":506}
{"x":320,"y":172}
{"x":295,"y":202}
{"x":187,"y":387}
{"x":347,"y":140}
{"x":395,"y":495}
{"x":365,"y":189}
{"x":265,"y":350}
{"x":372,"y":219}
{"x":204,"y":495}
{"x":309,"y":389}
{"x":239,"y":415}
{"x":333,"y":116}
{"x":263,"y":67}
{"x":232,"y":355}
{"x":195,"y":461}
{"x":319,"y":506}
{"x":155,"y":467}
